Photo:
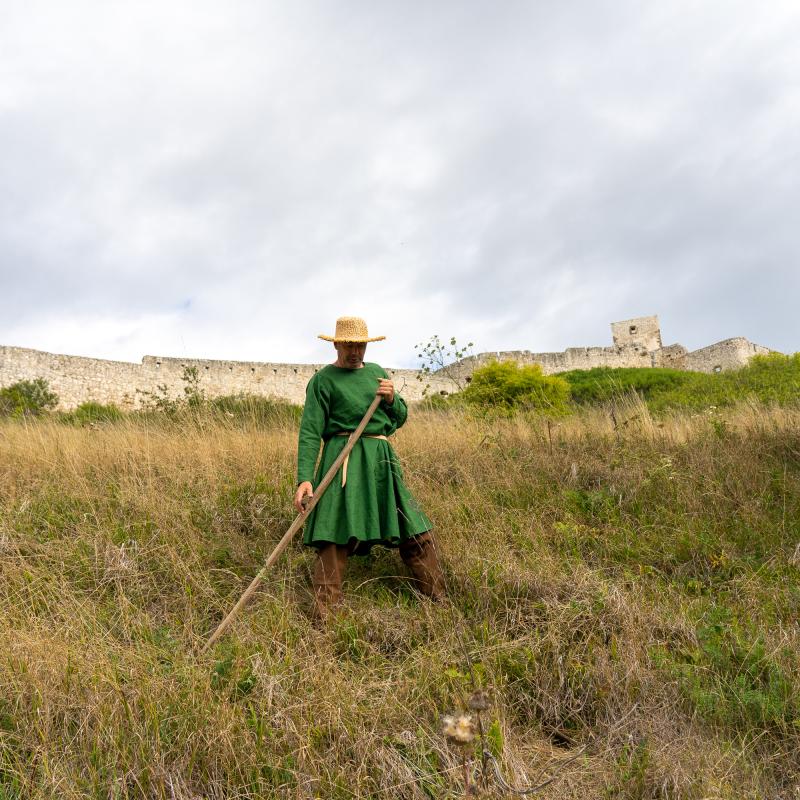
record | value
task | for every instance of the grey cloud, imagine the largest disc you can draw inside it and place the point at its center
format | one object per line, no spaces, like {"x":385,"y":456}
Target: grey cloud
{"x":527,"y":171}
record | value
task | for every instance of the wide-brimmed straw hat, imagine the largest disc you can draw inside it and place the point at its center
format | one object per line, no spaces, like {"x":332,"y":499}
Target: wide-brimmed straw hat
{"x":351,"y":329}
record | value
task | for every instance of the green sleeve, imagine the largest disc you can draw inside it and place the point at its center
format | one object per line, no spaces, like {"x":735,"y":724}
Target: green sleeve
{"x":312,"y":425}
{"x":398,"y":410}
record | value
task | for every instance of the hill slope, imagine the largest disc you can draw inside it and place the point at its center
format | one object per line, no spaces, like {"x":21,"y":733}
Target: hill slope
{"x":635,"y":590}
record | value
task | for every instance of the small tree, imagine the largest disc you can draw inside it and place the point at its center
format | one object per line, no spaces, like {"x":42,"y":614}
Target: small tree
{"x":162,"y":400}
{"x":195,"y":396}
{"x":27,"y":398}
{"x":436,"y":356}
{"x":507,"y":386}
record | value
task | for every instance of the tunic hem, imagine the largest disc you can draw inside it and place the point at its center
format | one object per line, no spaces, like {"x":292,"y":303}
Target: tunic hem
{"x":362,"y":547}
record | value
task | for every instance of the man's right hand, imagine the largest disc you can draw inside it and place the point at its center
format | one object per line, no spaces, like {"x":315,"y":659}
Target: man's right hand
{"x":305,"y":489}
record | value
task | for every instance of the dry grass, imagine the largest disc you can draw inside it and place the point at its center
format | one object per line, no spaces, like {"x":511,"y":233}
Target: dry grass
{"x":617,"y":581}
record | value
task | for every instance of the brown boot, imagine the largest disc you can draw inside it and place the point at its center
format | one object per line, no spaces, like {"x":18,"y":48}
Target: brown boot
{"x":327,"y":578}
{"x":419,"y":555}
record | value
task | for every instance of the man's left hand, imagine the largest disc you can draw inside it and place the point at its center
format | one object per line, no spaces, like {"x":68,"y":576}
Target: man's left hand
{"x":386,"y":390}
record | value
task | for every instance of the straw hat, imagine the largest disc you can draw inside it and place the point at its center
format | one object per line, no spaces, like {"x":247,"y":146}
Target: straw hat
{"x":351,"y":329}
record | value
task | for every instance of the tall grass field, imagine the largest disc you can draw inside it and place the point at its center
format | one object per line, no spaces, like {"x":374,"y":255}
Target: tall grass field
{"x":616,"y":582}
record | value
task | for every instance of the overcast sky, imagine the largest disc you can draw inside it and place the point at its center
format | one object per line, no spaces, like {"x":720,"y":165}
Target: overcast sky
{"x":222,"y":180}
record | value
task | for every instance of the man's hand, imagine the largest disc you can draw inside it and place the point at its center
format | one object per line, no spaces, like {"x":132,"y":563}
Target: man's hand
{"x":305,"y":489}
{"x":386,"y":390}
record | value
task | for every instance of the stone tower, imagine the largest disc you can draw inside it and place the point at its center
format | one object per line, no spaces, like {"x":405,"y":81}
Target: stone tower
{"x":643,"y":332}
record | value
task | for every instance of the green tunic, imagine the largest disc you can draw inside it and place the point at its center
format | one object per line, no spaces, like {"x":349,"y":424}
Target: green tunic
{"x":374,"y":506}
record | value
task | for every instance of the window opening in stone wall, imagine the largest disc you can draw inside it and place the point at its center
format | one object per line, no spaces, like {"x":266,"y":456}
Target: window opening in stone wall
{"x":252,"y":369}
{"x":295,"y":370}
{"x":717,"y":368}
{"x":274,"y":371}
{"x":632,"y":329}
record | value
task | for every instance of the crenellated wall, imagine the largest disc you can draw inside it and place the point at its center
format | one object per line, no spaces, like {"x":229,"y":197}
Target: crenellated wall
{"x":75,"y":379}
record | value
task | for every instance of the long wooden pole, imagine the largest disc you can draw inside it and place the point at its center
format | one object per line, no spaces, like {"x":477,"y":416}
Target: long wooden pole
{"x":296,"y":525}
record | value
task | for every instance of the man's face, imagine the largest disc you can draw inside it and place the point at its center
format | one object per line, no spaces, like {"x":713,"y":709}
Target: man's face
{"x":350,"y":354}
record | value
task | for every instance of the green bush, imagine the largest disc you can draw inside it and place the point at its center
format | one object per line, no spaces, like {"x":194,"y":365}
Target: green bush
{"x":256,"y":409}
{"x":773,"y":378}
{"x":602,"y":383}
{"x":507,"y":386}
{"x":92,"y":413}
{"x":27,"y":398}
{"x":436,"y":402}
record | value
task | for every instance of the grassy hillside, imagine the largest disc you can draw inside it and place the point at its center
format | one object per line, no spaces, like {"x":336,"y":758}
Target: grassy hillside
{"x":631,"y":586}
{"x":597,"y":385}
{"x":768,"y":379}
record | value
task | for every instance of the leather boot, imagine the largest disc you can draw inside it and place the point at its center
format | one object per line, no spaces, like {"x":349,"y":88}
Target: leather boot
{"x":327,"y":578}
{"x":419,"y":554}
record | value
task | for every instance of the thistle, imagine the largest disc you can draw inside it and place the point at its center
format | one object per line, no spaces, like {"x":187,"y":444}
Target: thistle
{"x":459,"y":730}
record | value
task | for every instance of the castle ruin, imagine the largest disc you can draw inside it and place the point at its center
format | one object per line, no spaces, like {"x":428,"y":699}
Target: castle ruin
{"x":76,"y":379}
{"x":636,"y":343}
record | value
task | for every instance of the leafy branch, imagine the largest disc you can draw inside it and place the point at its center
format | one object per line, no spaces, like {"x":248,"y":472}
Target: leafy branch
{"x":441,"y":358}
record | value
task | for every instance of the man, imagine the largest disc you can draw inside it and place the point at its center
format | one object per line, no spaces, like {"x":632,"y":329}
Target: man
{"x":369,"y":504}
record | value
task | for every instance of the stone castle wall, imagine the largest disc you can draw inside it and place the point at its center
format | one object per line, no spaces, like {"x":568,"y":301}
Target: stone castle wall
{"x":637,"y":343}
{"x":569,"y":359}
{"x":728,"y":354}
{"x":75,"y":379}
{"x":643,"y":331}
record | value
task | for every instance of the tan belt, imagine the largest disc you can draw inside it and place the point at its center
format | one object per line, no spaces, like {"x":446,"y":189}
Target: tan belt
{"x":347,"y":457}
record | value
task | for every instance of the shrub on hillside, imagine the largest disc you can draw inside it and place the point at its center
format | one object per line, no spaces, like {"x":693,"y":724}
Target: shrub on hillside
{"x":256,"y":409}
{"x":92,"y":413}
{"x":27,"y":398}
{"x":773,"y":378}
{"x":602,"y":383}
{"x":505,"y":385}
{"x":438,"y":402}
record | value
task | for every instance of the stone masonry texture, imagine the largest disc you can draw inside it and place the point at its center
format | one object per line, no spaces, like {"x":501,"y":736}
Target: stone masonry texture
{"x":76,"y":379}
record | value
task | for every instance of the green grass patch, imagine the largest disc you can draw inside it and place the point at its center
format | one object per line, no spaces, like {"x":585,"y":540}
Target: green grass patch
{"x":591,"y":386}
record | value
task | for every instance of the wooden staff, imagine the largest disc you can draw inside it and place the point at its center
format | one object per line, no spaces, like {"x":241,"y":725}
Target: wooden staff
{"x":296,"y":525}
